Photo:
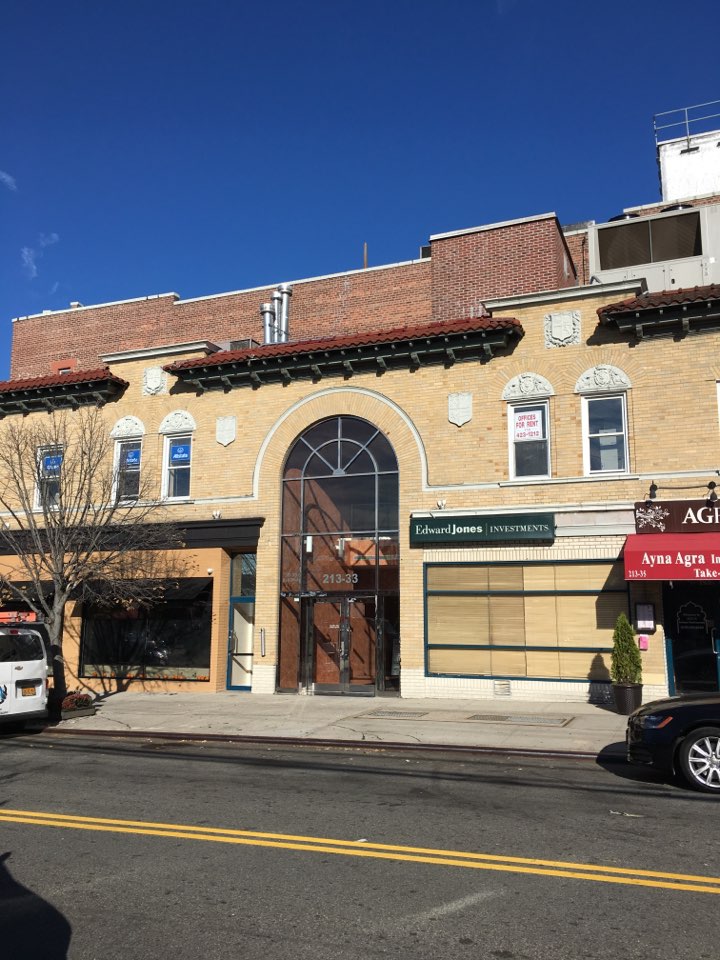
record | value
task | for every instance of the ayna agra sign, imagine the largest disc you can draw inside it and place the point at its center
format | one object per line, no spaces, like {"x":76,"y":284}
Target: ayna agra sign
{"x":474,"y":528}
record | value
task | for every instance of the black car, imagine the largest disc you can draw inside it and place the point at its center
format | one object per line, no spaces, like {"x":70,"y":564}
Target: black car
{"x":679,"y":735}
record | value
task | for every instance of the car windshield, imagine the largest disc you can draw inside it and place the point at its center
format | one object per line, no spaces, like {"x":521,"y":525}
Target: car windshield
{"x":20,"y":646}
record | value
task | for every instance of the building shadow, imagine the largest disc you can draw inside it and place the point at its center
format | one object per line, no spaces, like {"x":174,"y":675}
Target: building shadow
{"x":30,"y":927}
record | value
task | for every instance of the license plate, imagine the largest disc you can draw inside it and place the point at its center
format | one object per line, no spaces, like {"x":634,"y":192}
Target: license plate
{"x":28,"y":691}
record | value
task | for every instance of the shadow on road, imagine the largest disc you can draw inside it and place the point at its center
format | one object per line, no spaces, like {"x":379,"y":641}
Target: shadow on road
{"x":31,"y":927}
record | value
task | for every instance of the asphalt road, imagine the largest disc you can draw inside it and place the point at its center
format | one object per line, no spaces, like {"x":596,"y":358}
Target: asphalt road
{"x":186,"y":850}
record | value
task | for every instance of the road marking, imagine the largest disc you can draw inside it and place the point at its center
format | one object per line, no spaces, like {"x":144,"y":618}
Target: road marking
{"x":380,"y":851}
{"x":445,"y":909}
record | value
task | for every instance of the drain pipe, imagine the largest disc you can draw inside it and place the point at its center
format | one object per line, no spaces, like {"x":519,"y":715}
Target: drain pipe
{"x":285,"y":291}
{"x":268,"y":314}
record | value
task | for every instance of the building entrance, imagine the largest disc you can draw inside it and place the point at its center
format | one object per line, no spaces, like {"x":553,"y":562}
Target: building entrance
{"x":692,"y":623}
{"x":342,"y":645}
{"x":339,"y":608}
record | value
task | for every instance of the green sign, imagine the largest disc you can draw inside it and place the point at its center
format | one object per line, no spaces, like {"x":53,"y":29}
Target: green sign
{"x":474,"y":528}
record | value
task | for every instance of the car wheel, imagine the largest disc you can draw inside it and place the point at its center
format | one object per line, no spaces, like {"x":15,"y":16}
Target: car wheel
{"x":700,"y":759}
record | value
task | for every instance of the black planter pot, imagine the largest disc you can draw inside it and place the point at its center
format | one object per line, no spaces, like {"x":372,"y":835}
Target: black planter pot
{"x":628,"y":697}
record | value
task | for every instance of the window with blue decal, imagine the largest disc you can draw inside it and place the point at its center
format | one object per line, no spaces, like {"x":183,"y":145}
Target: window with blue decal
{"x":129,"y":455}
{"x":49,"y":462}
{"x":179,"y":464}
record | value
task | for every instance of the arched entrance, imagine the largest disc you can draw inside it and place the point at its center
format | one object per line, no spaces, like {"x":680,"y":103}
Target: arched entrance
{"x":339,"y":605}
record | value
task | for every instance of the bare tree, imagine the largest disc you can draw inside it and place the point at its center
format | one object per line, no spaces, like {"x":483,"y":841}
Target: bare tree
{"x":76,"y":527}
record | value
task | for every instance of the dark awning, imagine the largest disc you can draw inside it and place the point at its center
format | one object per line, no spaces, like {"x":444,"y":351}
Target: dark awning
{"x":673,"y":556}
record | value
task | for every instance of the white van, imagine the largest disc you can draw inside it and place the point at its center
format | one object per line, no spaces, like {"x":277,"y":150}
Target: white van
{"x":23,"y":676}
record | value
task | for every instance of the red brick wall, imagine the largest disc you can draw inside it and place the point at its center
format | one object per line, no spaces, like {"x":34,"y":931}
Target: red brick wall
{"x":463,"y":272}
{"x":372,"y":299}
{"x":578,"y":247}
{"x":518,"y":258}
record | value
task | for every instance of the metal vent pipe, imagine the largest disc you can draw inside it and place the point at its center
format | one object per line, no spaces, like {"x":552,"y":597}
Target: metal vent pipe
{"x":277,"y":308}
{"x":268,"y":314}
{"x":285,"y":291}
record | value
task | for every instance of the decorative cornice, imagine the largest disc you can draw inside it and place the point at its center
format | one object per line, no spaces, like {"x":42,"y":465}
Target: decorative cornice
{"x":60,"y":391}
{"x":403,"y":348}
{"x":679,"y":311}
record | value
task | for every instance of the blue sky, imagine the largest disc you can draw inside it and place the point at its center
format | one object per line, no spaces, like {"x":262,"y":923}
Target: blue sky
{"x":209,"y":146}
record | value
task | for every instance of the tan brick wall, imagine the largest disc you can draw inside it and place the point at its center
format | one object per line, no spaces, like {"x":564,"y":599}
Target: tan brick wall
{"x":673,"y":427}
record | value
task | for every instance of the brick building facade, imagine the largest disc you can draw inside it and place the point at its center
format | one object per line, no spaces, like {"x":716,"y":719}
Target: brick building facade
{"x":426,"y":489}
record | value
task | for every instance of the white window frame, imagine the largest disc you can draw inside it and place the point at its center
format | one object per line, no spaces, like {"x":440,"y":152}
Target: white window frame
{"x":585,"y":418}
{"x":117,"y":470}
{"x":512,"y":442}
{"x":170,"y":439}
{"x":41,"y":453}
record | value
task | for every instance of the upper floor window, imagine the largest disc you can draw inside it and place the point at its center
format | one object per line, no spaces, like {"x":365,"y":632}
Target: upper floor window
{"x":178,"y":465}
{"x":129,"y":453}
{"x":605,"y":434}
{"x":178,"y":428}
{"x":604,"y":419}
{"x":127,"y":433}
{"x":529,"y":441}
{"x":528,"y":424}
{"x":49,"y":468}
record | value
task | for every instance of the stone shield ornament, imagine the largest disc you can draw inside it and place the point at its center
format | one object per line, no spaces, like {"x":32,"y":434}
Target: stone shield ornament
{"x":459,"y":408}
{"x":154,"y":381}
{"x":562,"y":329}
{"x":225,"y":430}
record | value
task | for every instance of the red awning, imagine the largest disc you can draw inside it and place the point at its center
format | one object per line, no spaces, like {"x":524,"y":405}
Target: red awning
{"x":673,"y":556}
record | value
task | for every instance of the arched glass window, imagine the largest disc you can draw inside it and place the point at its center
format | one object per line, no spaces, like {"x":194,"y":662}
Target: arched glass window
{"x":340,"y":508}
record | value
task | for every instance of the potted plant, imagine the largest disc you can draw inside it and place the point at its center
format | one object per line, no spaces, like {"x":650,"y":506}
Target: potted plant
{"x":77,"y":704}
{"x":625,"y":667}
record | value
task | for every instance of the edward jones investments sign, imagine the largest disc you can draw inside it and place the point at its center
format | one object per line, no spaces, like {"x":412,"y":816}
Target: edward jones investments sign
{"x":473,"y":528}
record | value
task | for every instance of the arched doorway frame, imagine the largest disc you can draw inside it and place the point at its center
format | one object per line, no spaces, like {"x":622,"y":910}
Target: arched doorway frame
{"x":339,"y":597}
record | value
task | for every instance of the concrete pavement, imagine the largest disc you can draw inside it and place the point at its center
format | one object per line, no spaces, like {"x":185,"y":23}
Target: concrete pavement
{"x":497,"y":724}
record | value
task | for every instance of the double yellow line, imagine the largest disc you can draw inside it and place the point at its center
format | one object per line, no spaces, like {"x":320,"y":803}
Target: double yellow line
{"x":377,"y":851}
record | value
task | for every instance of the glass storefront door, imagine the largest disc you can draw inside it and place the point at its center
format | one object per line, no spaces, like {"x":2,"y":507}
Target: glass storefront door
{"x":692,"y":622}
{"x":342,"y":644}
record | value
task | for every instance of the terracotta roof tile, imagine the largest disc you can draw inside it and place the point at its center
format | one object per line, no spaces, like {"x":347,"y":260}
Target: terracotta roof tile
{"x":61,"y":379}
{"x":664,"y":298}
{"x":394,"y":335}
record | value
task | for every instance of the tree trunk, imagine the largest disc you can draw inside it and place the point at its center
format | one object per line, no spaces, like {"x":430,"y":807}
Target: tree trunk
{"x":58,"y":692}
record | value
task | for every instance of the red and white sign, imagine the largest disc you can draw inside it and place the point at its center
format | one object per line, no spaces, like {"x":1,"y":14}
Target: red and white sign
{"x":673,"y":557}
{"x":528,"y":424}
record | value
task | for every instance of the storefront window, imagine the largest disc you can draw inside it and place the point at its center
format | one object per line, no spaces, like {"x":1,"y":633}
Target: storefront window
{"x":541,"y":621}
{"x":168,"y":641}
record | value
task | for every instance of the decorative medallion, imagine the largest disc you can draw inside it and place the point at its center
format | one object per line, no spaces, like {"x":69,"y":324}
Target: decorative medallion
{"x":562,"y":329}
{"x":128,"y":427}
{"x":179,"y":421}
{"x":154,"y":381}
{"x":603,"y":377}
{"x":225,"y":430}
{"x":460,"y":408}
{"x":528,"y":386}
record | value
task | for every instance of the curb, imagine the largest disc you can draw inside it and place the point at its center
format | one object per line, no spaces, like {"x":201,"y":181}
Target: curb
{"x":374,"y":745}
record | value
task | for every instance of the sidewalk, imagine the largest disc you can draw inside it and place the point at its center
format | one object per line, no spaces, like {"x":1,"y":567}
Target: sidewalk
{"x":497,"y":724}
